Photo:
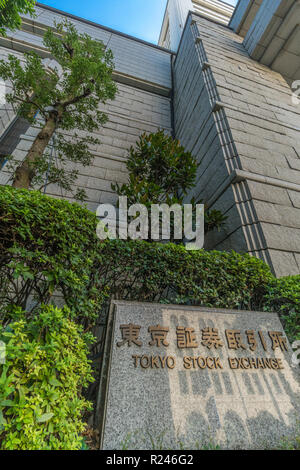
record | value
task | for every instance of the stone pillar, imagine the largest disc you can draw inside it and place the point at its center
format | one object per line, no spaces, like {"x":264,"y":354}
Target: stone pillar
{"x":177,"y":11}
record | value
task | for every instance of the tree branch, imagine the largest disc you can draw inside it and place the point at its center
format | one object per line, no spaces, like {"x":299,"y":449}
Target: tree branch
{"x":69,"y":49}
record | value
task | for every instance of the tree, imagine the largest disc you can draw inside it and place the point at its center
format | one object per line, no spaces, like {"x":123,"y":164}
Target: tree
{"x":10,"y":11}
{"x":159,"y":171}
{"x":162,"y":171}
{"x":61,"y":96}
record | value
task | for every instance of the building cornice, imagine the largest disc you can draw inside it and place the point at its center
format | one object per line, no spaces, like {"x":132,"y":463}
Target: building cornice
{"x":120,"y":77}
{"x":190,"y":15}
{"x":105,"y":28}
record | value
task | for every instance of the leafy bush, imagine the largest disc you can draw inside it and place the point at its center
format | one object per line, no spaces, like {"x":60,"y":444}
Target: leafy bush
{"x":159,"y":169}
{"x":283,"y":296}
{"x":162,"y":171}
{"x":62,"y":97}
{"x":141,"y":271}
{"x":137,"y":270}
{"x":10,"y":13}
{"x":41,"y":405}
{"x":47,"y":247}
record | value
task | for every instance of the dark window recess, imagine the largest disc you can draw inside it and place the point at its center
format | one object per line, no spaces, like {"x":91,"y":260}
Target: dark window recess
{"x":11,"y":138}
{"x":2,"y":160}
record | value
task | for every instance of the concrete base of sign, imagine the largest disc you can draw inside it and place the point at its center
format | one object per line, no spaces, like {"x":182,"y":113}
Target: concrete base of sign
{"x":208,"y":377}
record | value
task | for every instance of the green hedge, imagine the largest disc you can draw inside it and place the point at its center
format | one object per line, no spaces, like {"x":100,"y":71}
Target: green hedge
{"x":49,"y":246}
{"x":138,"y":270}
{"x":141,"y":271}
{"x":283,"y":296}
{"x":41,"y":404}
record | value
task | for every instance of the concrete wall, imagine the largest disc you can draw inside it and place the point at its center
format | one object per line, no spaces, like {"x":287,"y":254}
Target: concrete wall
{"x":143,"y":103}
{"x":243,"y":15}
{"x":237,"y":118}
{"x":260,"y":23}
{"x":272,"y":33}
{"x":177,"y":12}
{"x":234,"y":114}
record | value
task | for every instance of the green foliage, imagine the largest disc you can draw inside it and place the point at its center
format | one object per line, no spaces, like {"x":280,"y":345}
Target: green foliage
{"x":10,"y":11}
{"x":137,"y":270}
{"x":41,"y":404}
{"x":169,"y":273}
{"x":283,"y":296}
{"x":291,"y":443}
{"x":47,"y":247}
{"x":213,"y":219}
{"x":61,"y":97}
{"x":161,"y":171}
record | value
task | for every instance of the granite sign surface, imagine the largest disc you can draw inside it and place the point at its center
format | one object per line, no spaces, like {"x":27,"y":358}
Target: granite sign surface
{"x":177,"y":377}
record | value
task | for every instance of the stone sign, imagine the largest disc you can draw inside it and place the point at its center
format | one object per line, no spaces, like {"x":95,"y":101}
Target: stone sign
{"x":192,"y":377}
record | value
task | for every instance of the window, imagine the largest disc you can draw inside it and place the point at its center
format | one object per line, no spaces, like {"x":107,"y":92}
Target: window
{"x":11,"y":138}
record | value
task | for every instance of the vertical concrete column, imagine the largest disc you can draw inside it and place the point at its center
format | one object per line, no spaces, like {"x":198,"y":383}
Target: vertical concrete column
{"x":177,"y":11}
{"x":237,"y":118}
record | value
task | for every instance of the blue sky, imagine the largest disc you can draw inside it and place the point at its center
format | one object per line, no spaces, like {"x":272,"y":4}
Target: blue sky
{"x":140,"y":18}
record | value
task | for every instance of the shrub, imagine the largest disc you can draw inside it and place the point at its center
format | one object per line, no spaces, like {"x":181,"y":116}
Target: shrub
{"x":137,"y":270}
{"x":41,"y":405}
{"x":162,"y":171}
{"x":292,"y":443}
{"x":283,"y":296}
{"x":159,"y":169}
{"x":141,"y":271}
{"x":47,"y":246}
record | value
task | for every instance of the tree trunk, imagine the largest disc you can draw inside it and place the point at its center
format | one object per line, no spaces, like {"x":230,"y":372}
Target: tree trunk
{"x":25,"y":172}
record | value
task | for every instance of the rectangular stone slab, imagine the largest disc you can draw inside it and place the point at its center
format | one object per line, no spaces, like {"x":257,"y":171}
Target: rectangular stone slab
{"x":192,"y":387}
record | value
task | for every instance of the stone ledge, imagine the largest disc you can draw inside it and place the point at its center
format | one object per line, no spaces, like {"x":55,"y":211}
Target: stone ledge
{"x":141,"y":84}
{"x":237,"y":176}
{"x":249,"y":113}
{"x":120,"y":77}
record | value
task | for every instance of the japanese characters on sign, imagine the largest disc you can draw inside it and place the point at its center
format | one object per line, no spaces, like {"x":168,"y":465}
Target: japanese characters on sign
{"x":209,"y":338}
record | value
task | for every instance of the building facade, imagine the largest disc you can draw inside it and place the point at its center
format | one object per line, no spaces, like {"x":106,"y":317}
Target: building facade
{"x":177,"y":12}
{"x":220,"y":85}
{"x":143,"y":102}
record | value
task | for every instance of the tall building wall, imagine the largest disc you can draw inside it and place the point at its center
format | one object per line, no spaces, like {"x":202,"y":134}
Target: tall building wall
{"x":271,"y":31}
{"x":143,"y":103}
{"x":177,"y":12}
{"x":237,"y":118}
{"x":233,"y":113}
